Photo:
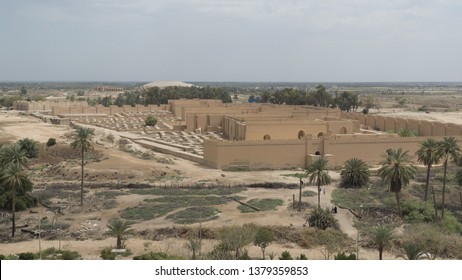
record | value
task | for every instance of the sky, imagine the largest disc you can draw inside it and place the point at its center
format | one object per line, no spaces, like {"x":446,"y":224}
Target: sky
{"x":231,"y":40}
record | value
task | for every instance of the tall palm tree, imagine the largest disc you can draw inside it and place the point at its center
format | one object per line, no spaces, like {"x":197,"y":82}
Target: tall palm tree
{"x":382,"y":235}
{"x":397,"y":171}
{"x":450,"y":150}
{"x":317,"y":172}
{"x":82,"y":140}
{"x":13,"y":176}
{"x":429,"y":154}
{"x":354,"y":173}
{"x":119,"y":228}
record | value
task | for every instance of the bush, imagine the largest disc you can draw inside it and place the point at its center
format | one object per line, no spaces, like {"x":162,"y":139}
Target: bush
{"x":55,"y":254}
{"x":157,"y":256}
{"x":107,"y":254}
{"x":150,"y":121}
{"x":417,"y":212}
{"x":322,"y":219}
{"x":30,"y":147}
{"x":343,"y":256}
{"x":285,"y":256}
{"x":26,"y":256}
{"x":366,"y":111}
{"x":51,"y":142}
{"x":302,"y":257}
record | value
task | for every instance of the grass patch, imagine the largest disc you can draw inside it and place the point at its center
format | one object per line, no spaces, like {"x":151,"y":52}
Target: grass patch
{"x":309,"y":193}
{"x":182,"y":192}
{"x":353,"y":198}
{"x":146,"y":212}
{"x":188,"y":201}
{"x":296,"y":175}
{"x":109,"y":204}
{"x":109,"y":194}
{"x":193,"y":215}
{"x":266,"y":204}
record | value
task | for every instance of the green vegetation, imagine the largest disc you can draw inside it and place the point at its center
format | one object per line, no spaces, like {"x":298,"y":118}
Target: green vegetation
{"x":119,"y":229}
{"x":30,"y":147}
{"x":309,"y":193}
{"x":263,"y":238}
{"x":82,"y":140}
{"x":318,"y":173}
{"x":157,"y":256}
{"x":187,"y":191}
{"x":381,"y":236}
{"x":397,"y":171}
{"x":354,"y":174}
{"x":193,"y":215}
{"x":450,"y":150}
{"x":322,"y":219}
{"x":266,"y":204}
{"x":150,"y":121}
{"x":51,"y":142}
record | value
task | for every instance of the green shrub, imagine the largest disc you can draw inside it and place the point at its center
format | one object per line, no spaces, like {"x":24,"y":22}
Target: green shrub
{"x":30,"y":147}
{"x":107,"y":254}
{"x":51,"y":142}
{"x":417,"y":212}
{"x":285,"y":256}
{"x":150,"y":121}
{"x":322,"y":219}
{"x":157,"y":256}
{"x":343,"y":256}
{"x":302,"y":257}
{"x":451,"y":224}
{"x":26,"y":256}
{"x":8,"y":257}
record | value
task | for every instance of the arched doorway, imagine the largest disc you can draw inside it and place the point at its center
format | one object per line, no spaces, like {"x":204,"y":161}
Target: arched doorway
{"x":320,"y":134}
{"x":343,"y":130}
{"x":267,"y":137}
{"x":301,"y":134}
{"x":318,"y":153}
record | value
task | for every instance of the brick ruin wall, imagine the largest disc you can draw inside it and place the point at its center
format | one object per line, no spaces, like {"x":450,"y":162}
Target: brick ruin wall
{"x":393,"y":124}
{"x":279,"y":154}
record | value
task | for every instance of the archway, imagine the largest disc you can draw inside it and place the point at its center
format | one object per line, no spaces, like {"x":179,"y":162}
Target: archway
{"x":301,"y":134}
{"x":318,"y":153}
{"x":267,"y":137}
{"x":320,"y":134}
{"x":343,"y":130}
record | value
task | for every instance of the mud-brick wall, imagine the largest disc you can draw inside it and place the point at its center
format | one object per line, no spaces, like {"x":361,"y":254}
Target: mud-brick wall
{"x":272,"y":154}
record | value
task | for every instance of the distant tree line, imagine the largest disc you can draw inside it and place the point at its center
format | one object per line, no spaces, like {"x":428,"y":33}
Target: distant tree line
{"x":345,"y":101}
{"x":159,"y":96}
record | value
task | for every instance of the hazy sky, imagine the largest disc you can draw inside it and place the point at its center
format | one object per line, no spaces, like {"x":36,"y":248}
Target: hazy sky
{"x":225,"y":40}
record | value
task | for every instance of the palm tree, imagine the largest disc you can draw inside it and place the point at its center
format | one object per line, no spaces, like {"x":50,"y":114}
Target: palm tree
{"x":429,"y":154}
{"x":354,"y":173}
{"x":397,"y":171}
{"x":450,"y":150}
{"x":13,"y":154}
{"x":82,"y":140}
{"x":317,"y":172}
{"x":119,"y":228}
{"x":382,"y":235}
{"x":14,"y":176}
{"x":412,"y":251}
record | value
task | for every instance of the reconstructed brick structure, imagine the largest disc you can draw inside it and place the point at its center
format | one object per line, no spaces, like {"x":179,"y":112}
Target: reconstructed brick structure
{"x":262,"y":136}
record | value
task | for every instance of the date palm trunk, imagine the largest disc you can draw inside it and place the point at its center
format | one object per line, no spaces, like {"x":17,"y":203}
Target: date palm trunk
{"x":81,"y":181}
{"x":13,"y":209}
